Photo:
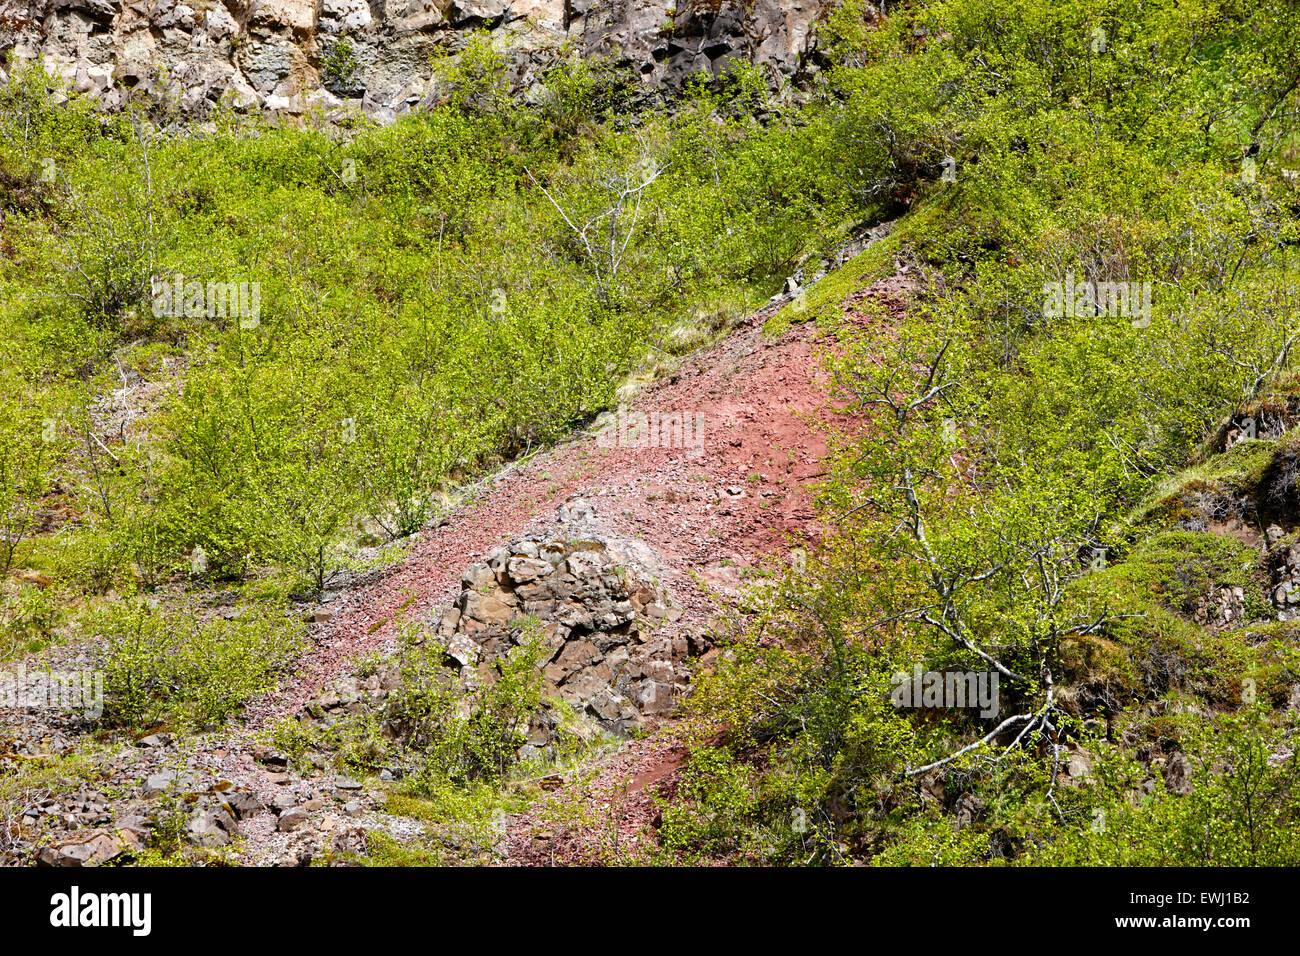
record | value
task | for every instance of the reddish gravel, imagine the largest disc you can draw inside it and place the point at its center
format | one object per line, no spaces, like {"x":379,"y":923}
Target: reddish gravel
{"x":743,"y":499}
{"x":738,"y":497}
{"x":618,"y":803}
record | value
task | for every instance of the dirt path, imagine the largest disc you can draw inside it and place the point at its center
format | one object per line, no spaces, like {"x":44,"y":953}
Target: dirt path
{"x":737,"y":496}
{"x":731,"y":491}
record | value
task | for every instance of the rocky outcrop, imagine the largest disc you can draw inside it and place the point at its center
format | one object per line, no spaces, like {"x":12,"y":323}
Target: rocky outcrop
{"x":160,"y":794}
{"x":1285,"y":574}
{"x":602,"y":618}
{"x":612,"y":646}
{"x":668,"y":44}
{"x":291,"y":56}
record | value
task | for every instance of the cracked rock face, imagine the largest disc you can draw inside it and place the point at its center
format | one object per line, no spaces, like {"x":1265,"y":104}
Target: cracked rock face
{"x":610,"y":649}
{"x":613,"y":646}
{"x":291,"y":56}
{"x":1285,"y":584}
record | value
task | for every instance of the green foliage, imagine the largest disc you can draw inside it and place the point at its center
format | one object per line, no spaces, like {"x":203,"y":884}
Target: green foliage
{"x":28,"y":450}
{"x":1242,"y":809}
{"x":426,"y":311}
{"x":27,"y":620}
{"x":291,"y":738}
{"x":460,"y":742}
{"x":467,"y":737}
{"x":458,"y":288}
{"x":340,"y":63}
{"x":712,"y":816}
{"x":168,"y":664}
{"x":1008,"y":444}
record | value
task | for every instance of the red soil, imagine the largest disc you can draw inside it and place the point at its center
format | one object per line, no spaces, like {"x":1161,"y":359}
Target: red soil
{"x":744,"y":499}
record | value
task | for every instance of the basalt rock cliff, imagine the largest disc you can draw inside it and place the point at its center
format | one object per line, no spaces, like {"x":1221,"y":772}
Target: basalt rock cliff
{"x":294,"y":56}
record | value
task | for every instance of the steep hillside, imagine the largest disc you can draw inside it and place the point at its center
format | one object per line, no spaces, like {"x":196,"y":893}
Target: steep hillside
{"x":730,"y":434}
{"x":691,"y":513}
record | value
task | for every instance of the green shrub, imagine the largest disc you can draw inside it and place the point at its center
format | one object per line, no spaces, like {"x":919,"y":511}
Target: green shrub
{"x":467,"y":737}
{"x":168,"y":664}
